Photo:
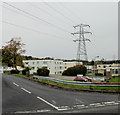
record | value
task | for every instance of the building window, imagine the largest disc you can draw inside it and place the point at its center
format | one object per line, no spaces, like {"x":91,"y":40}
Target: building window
{"x":44,"y":62}
{"x":119,"y":71}
{"x":116,"y":71}
{"x":104,"y":66}
{"x":112,"y":71}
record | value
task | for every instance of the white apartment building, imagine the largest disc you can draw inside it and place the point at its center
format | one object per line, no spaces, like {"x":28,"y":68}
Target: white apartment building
{"x":4,"y":69}
{"x":55,"y":66}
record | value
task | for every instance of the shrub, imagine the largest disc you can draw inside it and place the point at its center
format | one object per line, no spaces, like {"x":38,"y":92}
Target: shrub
{"x":43,"y":72}
{"x":73,"y":71}
{"x":98,"y":74}
{"x":15,"y":71}
{"x":26,"y":71}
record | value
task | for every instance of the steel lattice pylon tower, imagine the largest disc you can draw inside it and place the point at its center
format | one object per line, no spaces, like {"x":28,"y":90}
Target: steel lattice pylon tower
{"x":81,"y":51}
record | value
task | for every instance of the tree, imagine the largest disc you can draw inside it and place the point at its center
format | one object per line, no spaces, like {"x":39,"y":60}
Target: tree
{"x":11,"y":53}
{"x":73,"y":71}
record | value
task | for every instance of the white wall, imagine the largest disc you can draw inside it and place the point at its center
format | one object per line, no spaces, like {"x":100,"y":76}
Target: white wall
{"x":55,"y":66}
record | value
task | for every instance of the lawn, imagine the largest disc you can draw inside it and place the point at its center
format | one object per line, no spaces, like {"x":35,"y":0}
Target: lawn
{"x":116,"y":79}
{"x":92,"y":75}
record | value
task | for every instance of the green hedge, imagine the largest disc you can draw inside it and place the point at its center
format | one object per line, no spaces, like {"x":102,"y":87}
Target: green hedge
{"x":43,"y":72}
{"x":73,"y":71}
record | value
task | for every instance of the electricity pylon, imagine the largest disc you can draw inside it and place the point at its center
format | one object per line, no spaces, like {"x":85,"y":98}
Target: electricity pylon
{"x":81,"y":51}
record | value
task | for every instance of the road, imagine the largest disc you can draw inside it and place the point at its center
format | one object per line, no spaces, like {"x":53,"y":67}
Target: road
{"x":22,"y":96}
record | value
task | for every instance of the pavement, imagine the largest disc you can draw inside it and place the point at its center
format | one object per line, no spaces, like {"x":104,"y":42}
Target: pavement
{"x":95,"y":79}
{"x":23,"y":96}
{"x":63,"y":77}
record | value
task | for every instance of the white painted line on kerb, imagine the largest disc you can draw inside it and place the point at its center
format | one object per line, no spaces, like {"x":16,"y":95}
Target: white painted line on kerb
{"x":109,"y":103}
{"x":97,"y":104}
{"x":57,"y":108}
{"x":26,"y":90}
{"x":15,"y":84}
{"x":34,"y":111}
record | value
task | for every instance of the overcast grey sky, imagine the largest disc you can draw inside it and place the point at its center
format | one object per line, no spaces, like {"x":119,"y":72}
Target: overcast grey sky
{"x":48,"y":33}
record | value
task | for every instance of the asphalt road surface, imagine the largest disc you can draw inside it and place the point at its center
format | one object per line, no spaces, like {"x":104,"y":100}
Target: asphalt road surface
{"x":22,"y":96}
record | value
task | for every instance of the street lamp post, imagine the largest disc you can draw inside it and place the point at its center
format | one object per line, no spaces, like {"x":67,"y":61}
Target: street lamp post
{"x":94,"y":64}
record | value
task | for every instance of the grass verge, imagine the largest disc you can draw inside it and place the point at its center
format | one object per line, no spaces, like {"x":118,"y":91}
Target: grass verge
{"x":116,"y":79}
{"x":20,"y":75}
{"x":81,"y":87}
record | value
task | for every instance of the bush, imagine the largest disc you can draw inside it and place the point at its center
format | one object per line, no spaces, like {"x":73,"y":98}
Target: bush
{"x":26,"y":71}
{"x":43,"y":72}
{"x":98,"y":74}
{"x":73,"y":71}
{"x":15,"y":71}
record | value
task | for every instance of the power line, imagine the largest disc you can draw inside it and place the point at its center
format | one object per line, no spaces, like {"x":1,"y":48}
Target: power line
{"x":35,"y":6}
{"x":17,"y":12}
{"x":36,"y":17}
{"x":54,"y":9}
{"x":23,"y":27}
{"x":70,"y":11}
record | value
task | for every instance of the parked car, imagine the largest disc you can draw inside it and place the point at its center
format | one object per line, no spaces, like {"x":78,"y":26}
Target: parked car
{"x":88,"y":78}
{"x":81,"y":79}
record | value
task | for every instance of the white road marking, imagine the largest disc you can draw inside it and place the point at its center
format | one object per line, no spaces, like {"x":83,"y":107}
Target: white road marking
{"x":97,"y":104}
{"x":42,"y":111}
{"x":78,"y":101}
{"x":54,"y":102}
{"x":15,"y":84}
{"x":26,"y":90}
{"x":92,"y":104}
{"x":116,"y":103}
{"x":34,"y":111}
{"x":109,"y":103}
{"x":47,"y":102}
{"x":57,"y":108}
{"x":64,"y":106}
{"x":79,"y":106}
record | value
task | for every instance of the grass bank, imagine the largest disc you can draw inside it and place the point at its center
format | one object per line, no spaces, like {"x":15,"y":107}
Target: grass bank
{"x":20,"y":75}
{"x":116,"y":79}
{"x":81,"y":87}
